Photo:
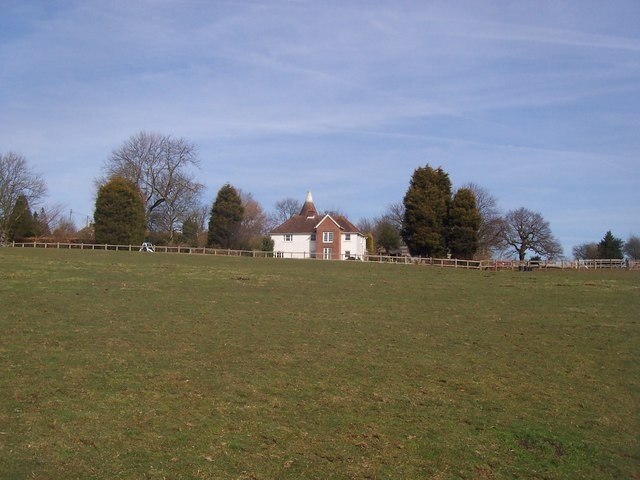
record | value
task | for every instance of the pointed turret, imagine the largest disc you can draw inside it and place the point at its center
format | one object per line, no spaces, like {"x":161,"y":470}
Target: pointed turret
{"x":308,"y":209}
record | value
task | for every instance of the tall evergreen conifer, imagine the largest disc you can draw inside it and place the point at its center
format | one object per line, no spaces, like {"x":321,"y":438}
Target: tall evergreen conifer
{"x":464,"y":222}
{"x":610,"y":246}
{"x":21,"y":221}
{"x":119,"y":216}
{"x":225,"y":219}
{"x":426,"y":205}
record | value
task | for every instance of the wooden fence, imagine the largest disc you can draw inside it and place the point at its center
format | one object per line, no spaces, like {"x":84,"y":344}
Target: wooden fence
{"x":608,"y":263}
{"x":561,"y":264}
{"x":135,"y":248}
{"x":403,"y":260}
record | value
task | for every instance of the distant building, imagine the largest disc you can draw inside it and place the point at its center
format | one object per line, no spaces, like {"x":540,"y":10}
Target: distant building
{"x":310,"y":235}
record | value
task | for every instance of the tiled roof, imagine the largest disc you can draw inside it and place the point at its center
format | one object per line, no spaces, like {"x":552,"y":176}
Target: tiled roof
{"x":298,"y":224}
{"x":308,"y":219}
{"x":304,"y":224}
{"x":346,"y":225}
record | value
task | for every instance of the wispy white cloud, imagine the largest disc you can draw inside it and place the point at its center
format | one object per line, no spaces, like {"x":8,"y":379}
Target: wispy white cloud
{"x":493,"y":91}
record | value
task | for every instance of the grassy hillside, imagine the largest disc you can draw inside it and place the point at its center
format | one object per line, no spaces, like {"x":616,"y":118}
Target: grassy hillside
{"x":130,"y":365}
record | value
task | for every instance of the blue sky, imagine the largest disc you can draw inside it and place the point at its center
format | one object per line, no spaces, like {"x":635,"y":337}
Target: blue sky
{"x":538,"y":102}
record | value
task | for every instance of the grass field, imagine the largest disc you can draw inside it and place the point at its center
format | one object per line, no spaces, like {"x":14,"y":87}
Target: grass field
{"x":129,"y":365}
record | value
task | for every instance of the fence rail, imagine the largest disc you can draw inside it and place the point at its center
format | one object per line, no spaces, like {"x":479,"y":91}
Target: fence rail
{"x":404,"y":260}
{"x":135,"y":248}
{"x":561,"y":264}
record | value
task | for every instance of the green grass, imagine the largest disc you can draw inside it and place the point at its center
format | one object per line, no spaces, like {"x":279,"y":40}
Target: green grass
{"x":129,"y":365}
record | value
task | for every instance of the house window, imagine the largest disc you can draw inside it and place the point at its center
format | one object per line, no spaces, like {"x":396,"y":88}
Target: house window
{"x":327,"y":237}
{"x":313,"y":237}
{"x":288,"y":237}
{"x":326,"y":253}
{"x":347,"y":237}
{"x":347,"y":255}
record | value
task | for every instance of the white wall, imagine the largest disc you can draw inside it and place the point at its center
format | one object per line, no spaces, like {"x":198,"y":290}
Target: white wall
{"x":300,"y":247}
{"x":356,"y":246}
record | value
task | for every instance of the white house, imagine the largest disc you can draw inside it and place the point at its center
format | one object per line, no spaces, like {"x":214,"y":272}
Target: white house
{"x":310,"y":235}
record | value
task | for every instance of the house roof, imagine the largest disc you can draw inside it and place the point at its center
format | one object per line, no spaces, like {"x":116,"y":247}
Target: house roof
{"x":303,"y":224}
{"x":346,"y":225}
{"x":298,"y":224}
{"x":308,"y":220}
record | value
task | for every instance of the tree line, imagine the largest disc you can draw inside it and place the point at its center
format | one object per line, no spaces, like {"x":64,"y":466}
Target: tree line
{"x":20,"y":188}
{"x":610,"y":247}
{"x":435,"y":221}
{"x":149,"y":190}
{"x":163,"y":199}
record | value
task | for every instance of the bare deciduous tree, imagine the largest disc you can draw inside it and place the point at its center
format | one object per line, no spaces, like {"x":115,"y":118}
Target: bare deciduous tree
{"x":632,"y":247}
{"x":333,"y":212}
{"x":160,"y":166}
{"x":524,"y":230}
{"x":284,"y":210}
{"x":386,"y":228}
{"x":200,"y":216}
{"x":395,"y":215}
{"x":254,"y":225}
{"x":194,"y":227}
{"x":180,"y":202}
{"x":16,"y":179}
{"x":586,"y":251}
{"x":65,"y":229}
{"x":367,"y":225}
{"x":48,"y":218}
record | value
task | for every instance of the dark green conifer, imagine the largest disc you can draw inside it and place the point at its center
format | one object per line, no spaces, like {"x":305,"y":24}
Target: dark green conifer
{"x":21,"y":222}
{"x":464,"y":222}
{"x":610,"y":246}
{"x":225,"y":219}
{"x":119,"y":216}
{"x":426,"y":209}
